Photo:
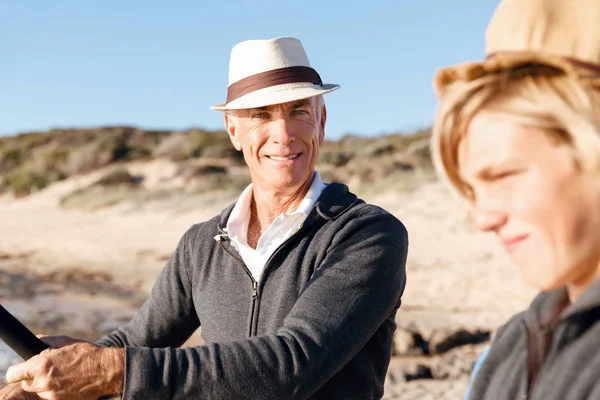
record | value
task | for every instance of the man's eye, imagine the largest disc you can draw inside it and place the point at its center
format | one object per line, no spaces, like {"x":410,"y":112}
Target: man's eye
{"x":260,"y":115}
{"x":300,"y":112}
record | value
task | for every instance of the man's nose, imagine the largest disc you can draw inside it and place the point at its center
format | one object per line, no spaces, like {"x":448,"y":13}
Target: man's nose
{"x":282,"y":131}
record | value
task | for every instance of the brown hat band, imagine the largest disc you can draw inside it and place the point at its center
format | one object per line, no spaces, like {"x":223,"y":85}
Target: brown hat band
{"x":591,"y":67}
{"x":272,"y":78}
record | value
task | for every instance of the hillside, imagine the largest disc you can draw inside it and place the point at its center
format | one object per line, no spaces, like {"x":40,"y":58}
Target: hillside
{"x":206,"y":160}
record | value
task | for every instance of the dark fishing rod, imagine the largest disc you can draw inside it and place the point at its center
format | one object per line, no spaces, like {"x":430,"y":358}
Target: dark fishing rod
{"x":23,"y":341}
{"x":18,"y":337}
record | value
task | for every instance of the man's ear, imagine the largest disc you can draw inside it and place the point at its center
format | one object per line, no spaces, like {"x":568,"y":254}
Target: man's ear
{"x":322,"y":124}
{"x":230,"y":125}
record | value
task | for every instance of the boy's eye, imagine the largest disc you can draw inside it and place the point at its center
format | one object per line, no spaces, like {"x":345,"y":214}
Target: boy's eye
{"x":504,"y":175}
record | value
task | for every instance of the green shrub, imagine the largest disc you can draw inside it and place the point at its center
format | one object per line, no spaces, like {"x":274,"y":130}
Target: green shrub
{"x":23,"y":182}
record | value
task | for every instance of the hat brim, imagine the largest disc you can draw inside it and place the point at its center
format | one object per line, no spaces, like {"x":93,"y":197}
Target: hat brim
{"x":504,"y":61}
{"x":276,"y":95}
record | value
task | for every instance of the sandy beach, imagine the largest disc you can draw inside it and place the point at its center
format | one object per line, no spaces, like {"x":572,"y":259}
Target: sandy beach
{"x":84,"y":273}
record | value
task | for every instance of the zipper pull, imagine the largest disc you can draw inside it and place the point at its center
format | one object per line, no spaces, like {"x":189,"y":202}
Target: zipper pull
{"x":221,"y":237}
{"x":254,"y":289}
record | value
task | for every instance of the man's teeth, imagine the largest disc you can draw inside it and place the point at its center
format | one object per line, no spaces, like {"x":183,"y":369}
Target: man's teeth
{"x":284,"y":158}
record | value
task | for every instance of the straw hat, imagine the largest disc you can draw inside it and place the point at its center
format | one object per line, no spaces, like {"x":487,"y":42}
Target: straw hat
{"x":563,"y":34}
{"x":274,"y":71}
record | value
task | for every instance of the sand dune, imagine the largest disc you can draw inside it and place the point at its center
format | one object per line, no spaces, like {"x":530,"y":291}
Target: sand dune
{"x":457,"y":279}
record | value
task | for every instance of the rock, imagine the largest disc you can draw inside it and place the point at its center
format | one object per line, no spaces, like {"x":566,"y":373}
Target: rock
{"x":408,"y":343}
{"x":418,"y":371}
{"x":442,"y":341}
{"x":456,"y":364}
{"x":447,"y":355}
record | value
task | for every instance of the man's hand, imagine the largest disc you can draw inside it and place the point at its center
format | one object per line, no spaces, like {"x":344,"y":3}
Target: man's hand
{"x":57,"y":342}
{"x":14,"y":391}
{"x":79,"y":370}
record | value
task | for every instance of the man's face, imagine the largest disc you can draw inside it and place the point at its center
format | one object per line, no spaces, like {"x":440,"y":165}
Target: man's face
{"x":280,"y":142}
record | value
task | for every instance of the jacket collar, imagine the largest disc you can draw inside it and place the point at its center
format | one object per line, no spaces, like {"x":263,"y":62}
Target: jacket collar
{"x":589,"y":300}
{"x":334,"y":201}
{"x":552,"y":307}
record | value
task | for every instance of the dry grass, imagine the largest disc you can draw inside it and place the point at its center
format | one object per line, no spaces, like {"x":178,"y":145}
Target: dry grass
{"x":207,"y":162}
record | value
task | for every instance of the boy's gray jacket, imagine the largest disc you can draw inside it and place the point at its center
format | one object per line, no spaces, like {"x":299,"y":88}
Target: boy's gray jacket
{"x":549,"y":352}
{"x":318,"y":325}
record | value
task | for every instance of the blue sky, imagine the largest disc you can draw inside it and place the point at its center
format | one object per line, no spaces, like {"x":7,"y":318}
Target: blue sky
{"x":161,"y":64}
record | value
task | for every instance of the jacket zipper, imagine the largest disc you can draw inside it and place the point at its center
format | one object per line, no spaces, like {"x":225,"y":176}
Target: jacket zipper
{"x":254,"y":308}
{"x":538,"y":343}
{"x":255,"y":305}
{"x":254,"y":329}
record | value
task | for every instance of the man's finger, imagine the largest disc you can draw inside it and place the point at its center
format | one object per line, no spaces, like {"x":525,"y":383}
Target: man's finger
{"x":33,"y":386}
{"x":18,"y":373}
{"x":14,"y":391}
{"x":28,"y":386}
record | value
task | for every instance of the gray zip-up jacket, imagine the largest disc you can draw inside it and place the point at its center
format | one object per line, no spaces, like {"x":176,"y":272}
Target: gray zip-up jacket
{"x":549,"y":352}
{"x":318,"y":325}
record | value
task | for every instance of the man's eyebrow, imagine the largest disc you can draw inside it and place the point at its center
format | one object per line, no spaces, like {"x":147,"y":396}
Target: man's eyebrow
{"x":250,"y":111}
{"x":301,"y":103}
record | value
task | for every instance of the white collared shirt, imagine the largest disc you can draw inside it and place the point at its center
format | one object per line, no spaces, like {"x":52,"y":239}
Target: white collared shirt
{"x":284,"y":226}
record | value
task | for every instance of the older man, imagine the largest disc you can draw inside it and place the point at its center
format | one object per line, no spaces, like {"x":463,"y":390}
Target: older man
{"x":296,"y":285}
